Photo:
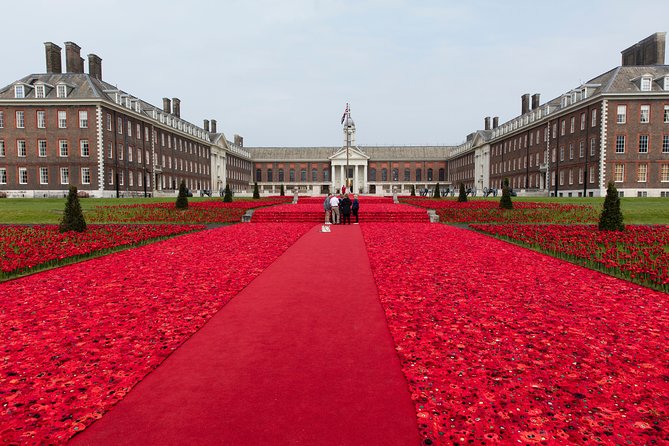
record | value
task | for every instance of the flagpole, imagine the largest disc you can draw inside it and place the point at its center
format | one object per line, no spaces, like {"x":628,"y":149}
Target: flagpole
{"x":348,"y":139}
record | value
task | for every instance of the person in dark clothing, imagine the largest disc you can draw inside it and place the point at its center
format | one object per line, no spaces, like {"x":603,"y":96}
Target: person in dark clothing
{"x":355,"y":207}
{"x":345,"y":207}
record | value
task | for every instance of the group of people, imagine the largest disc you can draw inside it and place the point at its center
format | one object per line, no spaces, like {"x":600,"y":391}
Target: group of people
{"x":338,"y":209}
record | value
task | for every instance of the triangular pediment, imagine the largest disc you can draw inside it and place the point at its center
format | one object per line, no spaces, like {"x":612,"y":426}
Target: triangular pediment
{"x":354,"y":153}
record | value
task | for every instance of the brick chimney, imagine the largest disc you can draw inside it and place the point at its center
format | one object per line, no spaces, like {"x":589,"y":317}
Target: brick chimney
{"x":167,"y":105}
{"x":239,"y":141}
{"x":535,"y":101}
{"x":524,"y":103}
{"x":206,"y":125}
{"x":176,"y":107}
{"x":495,"y":122}
{"x":95,"y":66}
{"x":487,"y":122}
{"x":213,"y":126}
{"x":53,"y":58}
{"x":73,"y":61}
{"x":649,"y":51}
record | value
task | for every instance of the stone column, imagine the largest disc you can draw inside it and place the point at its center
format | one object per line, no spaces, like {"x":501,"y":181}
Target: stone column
{"x":332,"y":178}
{"x":356,"y":184}
{"x":342,"y":177}
{"x":365,"y":188}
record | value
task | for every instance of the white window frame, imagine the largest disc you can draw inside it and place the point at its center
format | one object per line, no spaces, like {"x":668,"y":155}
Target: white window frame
{"x":3,"y":151}
{"x":621,"y":115}
{"x":85,"y":175}
{"x":666,"y":114}
{"x":41,"y":119}
{"x":664,"y":173}
{"x":620,"y":148}
{"x":84,"y":148}
{"x":644,"y":114}
{"x":63,"y":148}
{"x":83,"y":119}
{"x":2,"y":119}
{"x":665,"y":143}
{"x":21,"y":148}
{"x":23,"y":175}
{"x":642,"y":173}
{"x":64,"y":175}
{"x":20,"y":119}
{"x":619,"y":172}
{"x":643,"y":148}
{"x":19,"y":91}
{"x":646,"y":83}
{"x":41,"y":148}
{"x":40,"y":91}
{"x":591,"y":178}
{"x":61,"y":91}
{"x":43,"y":175}
{"x":62,"y":119}
{"x":130,"y":149}
{"x":3,"y":175}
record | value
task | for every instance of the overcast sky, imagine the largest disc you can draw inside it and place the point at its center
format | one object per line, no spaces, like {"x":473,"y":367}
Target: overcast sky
{"x":280,"y":73}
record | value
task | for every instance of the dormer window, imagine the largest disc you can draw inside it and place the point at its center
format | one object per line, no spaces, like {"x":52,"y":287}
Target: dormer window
{"x":666,"y":83}
{"x":19,"y":91}
{"x":646,"y":83}
{"x":61,"y":90}
{"x":40,"y":91}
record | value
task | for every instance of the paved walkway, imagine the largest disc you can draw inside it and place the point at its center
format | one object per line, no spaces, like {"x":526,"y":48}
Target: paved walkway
{"x":303,"y":355}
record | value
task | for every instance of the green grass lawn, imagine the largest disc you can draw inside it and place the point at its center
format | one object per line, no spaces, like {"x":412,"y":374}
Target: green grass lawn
{"x":50,"y":210}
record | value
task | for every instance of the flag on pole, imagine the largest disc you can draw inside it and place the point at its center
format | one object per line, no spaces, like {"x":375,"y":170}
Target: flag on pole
{"x":345,"y":113}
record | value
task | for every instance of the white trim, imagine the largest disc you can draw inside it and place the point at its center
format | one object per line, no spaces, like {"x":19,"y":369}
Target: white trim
{"x":602,"y":147}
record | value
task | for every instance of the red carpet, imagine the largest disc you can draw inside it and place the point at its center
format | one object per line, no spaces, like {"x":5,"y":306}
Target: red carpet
{"x":301,"y":356}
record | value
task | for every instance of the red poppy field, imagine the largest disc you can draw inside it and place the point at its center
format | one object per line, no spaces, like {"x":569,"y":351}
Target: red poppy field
{"x":76,"y":339}
{"x":639,"y":254}
{"x":488,"y":211}
{"x":23,"y":248}
{"x":214,"y":211}
{"x":504,"y":345}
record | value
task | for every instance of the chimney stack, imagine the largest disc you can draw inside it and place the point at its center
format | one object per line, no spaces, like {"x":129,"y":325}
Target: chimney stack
{"x":525,"y":103}
{"x":167,"y":105}
{"x":487,"y":122}
{"x":176,"y":107}
{"x":73,"y":61}
{"x":239,"y":141}
{"x":95,"y":66}
{"x":213,"y":126}
{"x":495,"y":122}
{"x":53,"y":58}
{"x":206,"y":125}
{"x":649,"y":51}
{"x":536,"y":101}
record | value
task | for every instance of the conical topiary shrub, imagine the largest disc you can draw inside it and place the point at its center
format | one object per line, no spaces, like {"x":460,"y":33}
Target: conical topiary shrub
{"x":413,"y":190}
{"x":227,"y":195}
{"x":73,"y":217}
{"x":611,"y":218}
{"x":256,"y":191}
{"x":182,"y":199}
{"x":283,"y":191}
{"x":505,"y":201}
{"x":437,"y":194}
{"x":462,"y":197}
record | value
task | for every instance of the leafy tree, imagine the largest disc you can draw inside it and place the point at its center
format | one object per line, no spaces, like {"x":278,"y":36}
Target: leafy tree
{"x":283,"y":191}
{"x":256,"y":191}
{"x":505,"y":201}
{"x":413,"y":190}
{"x":611,"y":218}
{"x":73,"y":218}
{"x":437,"y":194}
{"x":462,"y":196}
{"x":182,"y":198}
{"x":227,"y":195}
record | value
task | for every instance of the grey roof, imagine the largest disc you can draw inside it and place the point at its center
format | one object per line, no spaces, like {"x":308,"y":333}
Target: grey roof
{"x":374,"y":152}
{"x":291,"y":153}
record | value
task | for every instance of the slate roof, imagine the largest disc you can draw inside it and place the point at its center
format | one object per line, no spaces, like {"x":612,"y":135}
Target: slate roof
{"x":412,"y":153}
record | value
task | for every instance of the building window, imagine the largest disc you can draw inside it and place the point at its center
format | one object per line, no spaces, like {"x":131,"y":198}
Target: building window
{"x":592,"y":174}
{"x":581,"y":149}
{"x":146,"y":156}
{"x":63,"y":150}
{"x":109,"y":122}
{"x":644,"y":114}
{"x":666,"y":114}
{"x":2,"y":120}
{"x":372,"y":174}
{"x":429,"y":175}
{"x":593,"y":143}
{"x":41,"y":148}
{"x":129,"y":128}
{"x":43,"y":175}
{"x":130,"y":150}
{"x":646,"y":83}
{"x":138,"y":133}
{"x":119,"y":127}
{"x":643,"y":143}
{"x":281,"y":178}
{"x":571,"y":176}
{"x":642,"y":173}
{"x":291,"y":175}
{"x":85,"y":175}
{"x":582,"y":121}
{"x":83,"y":145}
{"x":61,"y":91}
{"x":23,"y":175}
{"x":407,"y":174}
{"x":303,"y":175}
{"x":572,"y":124}
{"x":121,"y":180}
{"x":622,"y":114}
{"x":3,"y":175}
{"x":665,"y":143}
{"x":396,"y":174}
{"x":64,"y":175}
{"x":2,"y":148}
{"x":563,"y":126}
{"x":571,"y":151}
{"x":561,"y":153}
{"x":442,"y":174}
{"x":62,"y":120}
{"x":619,"y":173}
{"x":20,"y":120}
{"x":39,"y":91}
{"x":41,"y":119}
{"x":258,"y":175}
{"x":419,"y":175}
{"x":314,"y":175}
{"x":19,"y":91}
{"x":21,"y":150}
{"x":384,"y":174}
{"x":594,"y":118}
{"x":83,"y":119}
{"x":664,"y":173}
{"x":561,"y":177}
{"x":620,"y":144}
